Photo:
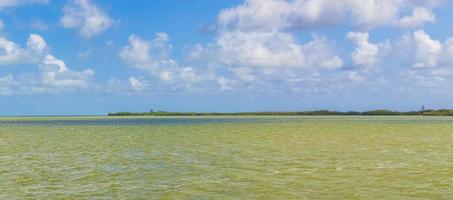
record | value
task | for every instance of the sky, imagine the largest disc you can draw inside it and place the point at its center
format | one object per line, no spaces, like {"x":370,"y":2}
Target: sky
{"x":92,"y":57}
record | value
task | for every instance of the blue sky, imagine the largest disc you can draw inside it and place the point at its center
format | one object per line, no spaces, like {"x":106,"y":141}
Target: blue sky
{"x":96,"y":56}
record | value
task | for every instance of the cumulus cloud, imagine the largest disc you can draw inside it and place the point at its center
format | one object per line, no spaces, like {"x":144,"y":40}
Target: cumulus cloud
{"x":11,"y":52}
{"x":256,"y":40}
{"x":419,"y":16}
{"x":85,"y":16}
{"x":136,"y":53}
{"x":36,"y":43}
{"x":428,"y":51}
{"x":153,"y":56}
{"x":271,"y":50}
{"x":303,"y":14}
{"x":257,"y":45}
{"x":54,"y":73}
{"x":53,"y":77}
{"x":431,"y":61}
{"x":366,"y":54}
{"x":257,"y":55}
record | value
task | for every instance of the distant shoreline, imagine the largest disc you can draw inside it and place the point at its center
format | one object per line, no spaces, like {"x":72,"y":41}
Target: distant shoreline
{"x":441,"y":112}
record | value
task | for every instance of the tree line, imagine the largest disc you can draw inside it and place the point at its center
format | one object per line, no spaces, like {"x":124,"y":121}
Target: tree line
{"x":441,"y":112}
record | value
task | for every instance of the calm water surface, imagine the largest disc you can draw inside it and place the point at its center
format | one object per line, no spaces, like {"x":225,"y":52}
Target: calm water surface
{"x":148,"y":121}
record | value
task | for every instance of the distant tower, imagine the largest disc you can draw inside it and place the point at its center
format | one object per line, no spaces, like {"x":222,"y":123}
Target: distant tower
{"x":423,"y":108}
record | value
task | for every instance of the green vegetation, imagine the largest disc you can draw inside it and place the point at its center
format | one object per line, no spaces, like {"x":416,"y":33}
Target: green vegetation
{"x":442,"y":112}
{"x":365,"y":157}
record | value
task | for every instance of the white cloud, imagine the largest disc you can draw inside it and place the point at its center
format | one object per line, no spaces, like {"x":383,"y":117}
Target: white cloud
{"x":272,"y":50}
{"x":151,"y":56}
{"x":281,"y":14}
{"x":303,"y":14}
{"x":366,"y":54}
{"x":11,"y":52}
{"x":261,"y":55}
{"x":54,"y":73}
{"x":37,"y":43}
{"x":371,"y":13}
{"x":267,"y":14}
{"x":418,"y":18}
{"x":226,"y":84}
{"x":137,"y":54}
{"x":265,"y":50}
{"x":54,"y":76}
{"x":428,"y":51}
{"x":431,"y":60}
{"x":134,"y":85}
{"x":154,"y":57}
{"x":256,"y":43}
{"x":11,"y":3}
{"x":138,"y":84}
{"x":87,"y":17}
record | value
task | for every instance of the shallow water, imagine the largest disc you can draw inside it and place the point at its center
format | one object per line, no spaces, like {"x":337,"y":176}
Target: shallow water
{"x":251,"y":158}
{"x":150,"y":121}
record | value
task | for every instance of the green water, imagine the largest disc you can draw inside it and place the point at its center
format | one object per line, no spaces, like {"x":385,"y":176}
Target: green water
{"x":357,"y":158}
